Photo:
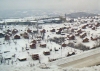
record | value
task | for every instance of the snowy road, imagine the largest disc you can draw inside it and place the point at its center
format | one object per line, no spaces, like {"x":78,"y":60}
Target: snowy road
{"x":83,"y":62}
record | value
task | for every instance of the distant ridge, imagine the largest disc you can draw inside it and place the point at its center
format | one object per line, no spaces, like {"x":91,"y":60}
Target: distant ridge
{"x":80,"y":14}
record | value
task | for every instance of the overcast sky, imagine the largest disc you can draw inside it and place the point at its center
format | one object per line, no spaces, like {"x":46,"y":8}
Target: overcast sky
{"x":50,"y":4}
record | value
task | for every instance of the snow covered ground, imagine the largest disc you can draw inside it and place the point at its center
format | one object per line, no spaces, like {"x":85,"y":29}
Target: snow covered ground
{"x":14,"y":49}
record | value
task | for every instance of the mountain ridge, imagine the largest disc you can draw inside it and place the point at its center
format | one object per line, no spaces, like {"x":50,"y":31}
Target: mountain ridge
{"x":80,"y":14}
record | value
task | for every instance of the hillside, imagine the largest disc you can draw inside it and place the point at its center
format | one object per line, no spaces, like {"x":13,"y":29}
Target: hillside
{"x":80,"y":14}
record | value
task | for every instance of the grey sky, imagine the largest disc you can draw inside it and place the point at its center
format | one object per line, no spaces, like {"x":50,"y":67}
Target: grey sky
{"x":50,"y":4}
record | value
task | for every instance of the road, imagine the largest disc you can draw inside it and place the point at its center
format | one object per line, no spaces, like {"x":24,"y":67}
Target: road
{"x":83,"y":62}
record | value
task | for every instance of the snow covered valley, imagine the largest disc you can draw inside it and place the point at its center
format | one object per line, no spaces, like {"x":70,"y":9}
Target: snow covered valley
{"x":46,"y":47}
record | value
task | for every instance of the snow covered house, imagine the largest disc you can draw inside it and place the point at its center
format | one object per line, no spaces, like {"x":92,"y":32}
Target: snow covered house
{"x":79,"y":31}
{"x":43,"y":45}
{"x":7,"y":37}
{"x":35,"y":31}
{"x":85,"y":39}
{"x":90,"y":25}
{"x":70,"y":53}
{"x":22,"y":58}
{"x":43,"y":31}
{"x":76,"y":34}
{"x":72,"y":30}
{"x":17,"y":37}
{"x":97,"y":24}
{"x":71,"y":37}
{"x":35,"y":56}
{"x":8,"y":30}
{"x":7,"y":55}
{"x":14,"y":31}
{"x":84,"y":26}
{"x":58,"y":32}
{"x":25,"y":35}
{"x":60,"y":29}
{"x":34,"y":41}
{"x":29,"y":31}
{"x":64,"y":45}
{"x":93,"y":28}
{"x":93,"y":38}
{"x":46,"y":52}
{"x":52,"y":30}
{"x":39,"y":36}
{"x":82,"y":35}
{"x":33,"y":46}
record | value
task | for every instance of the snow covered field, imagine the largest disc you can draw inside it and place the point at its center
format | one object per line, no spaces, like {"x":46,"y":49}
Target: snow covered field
{"x":13,"y":50}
